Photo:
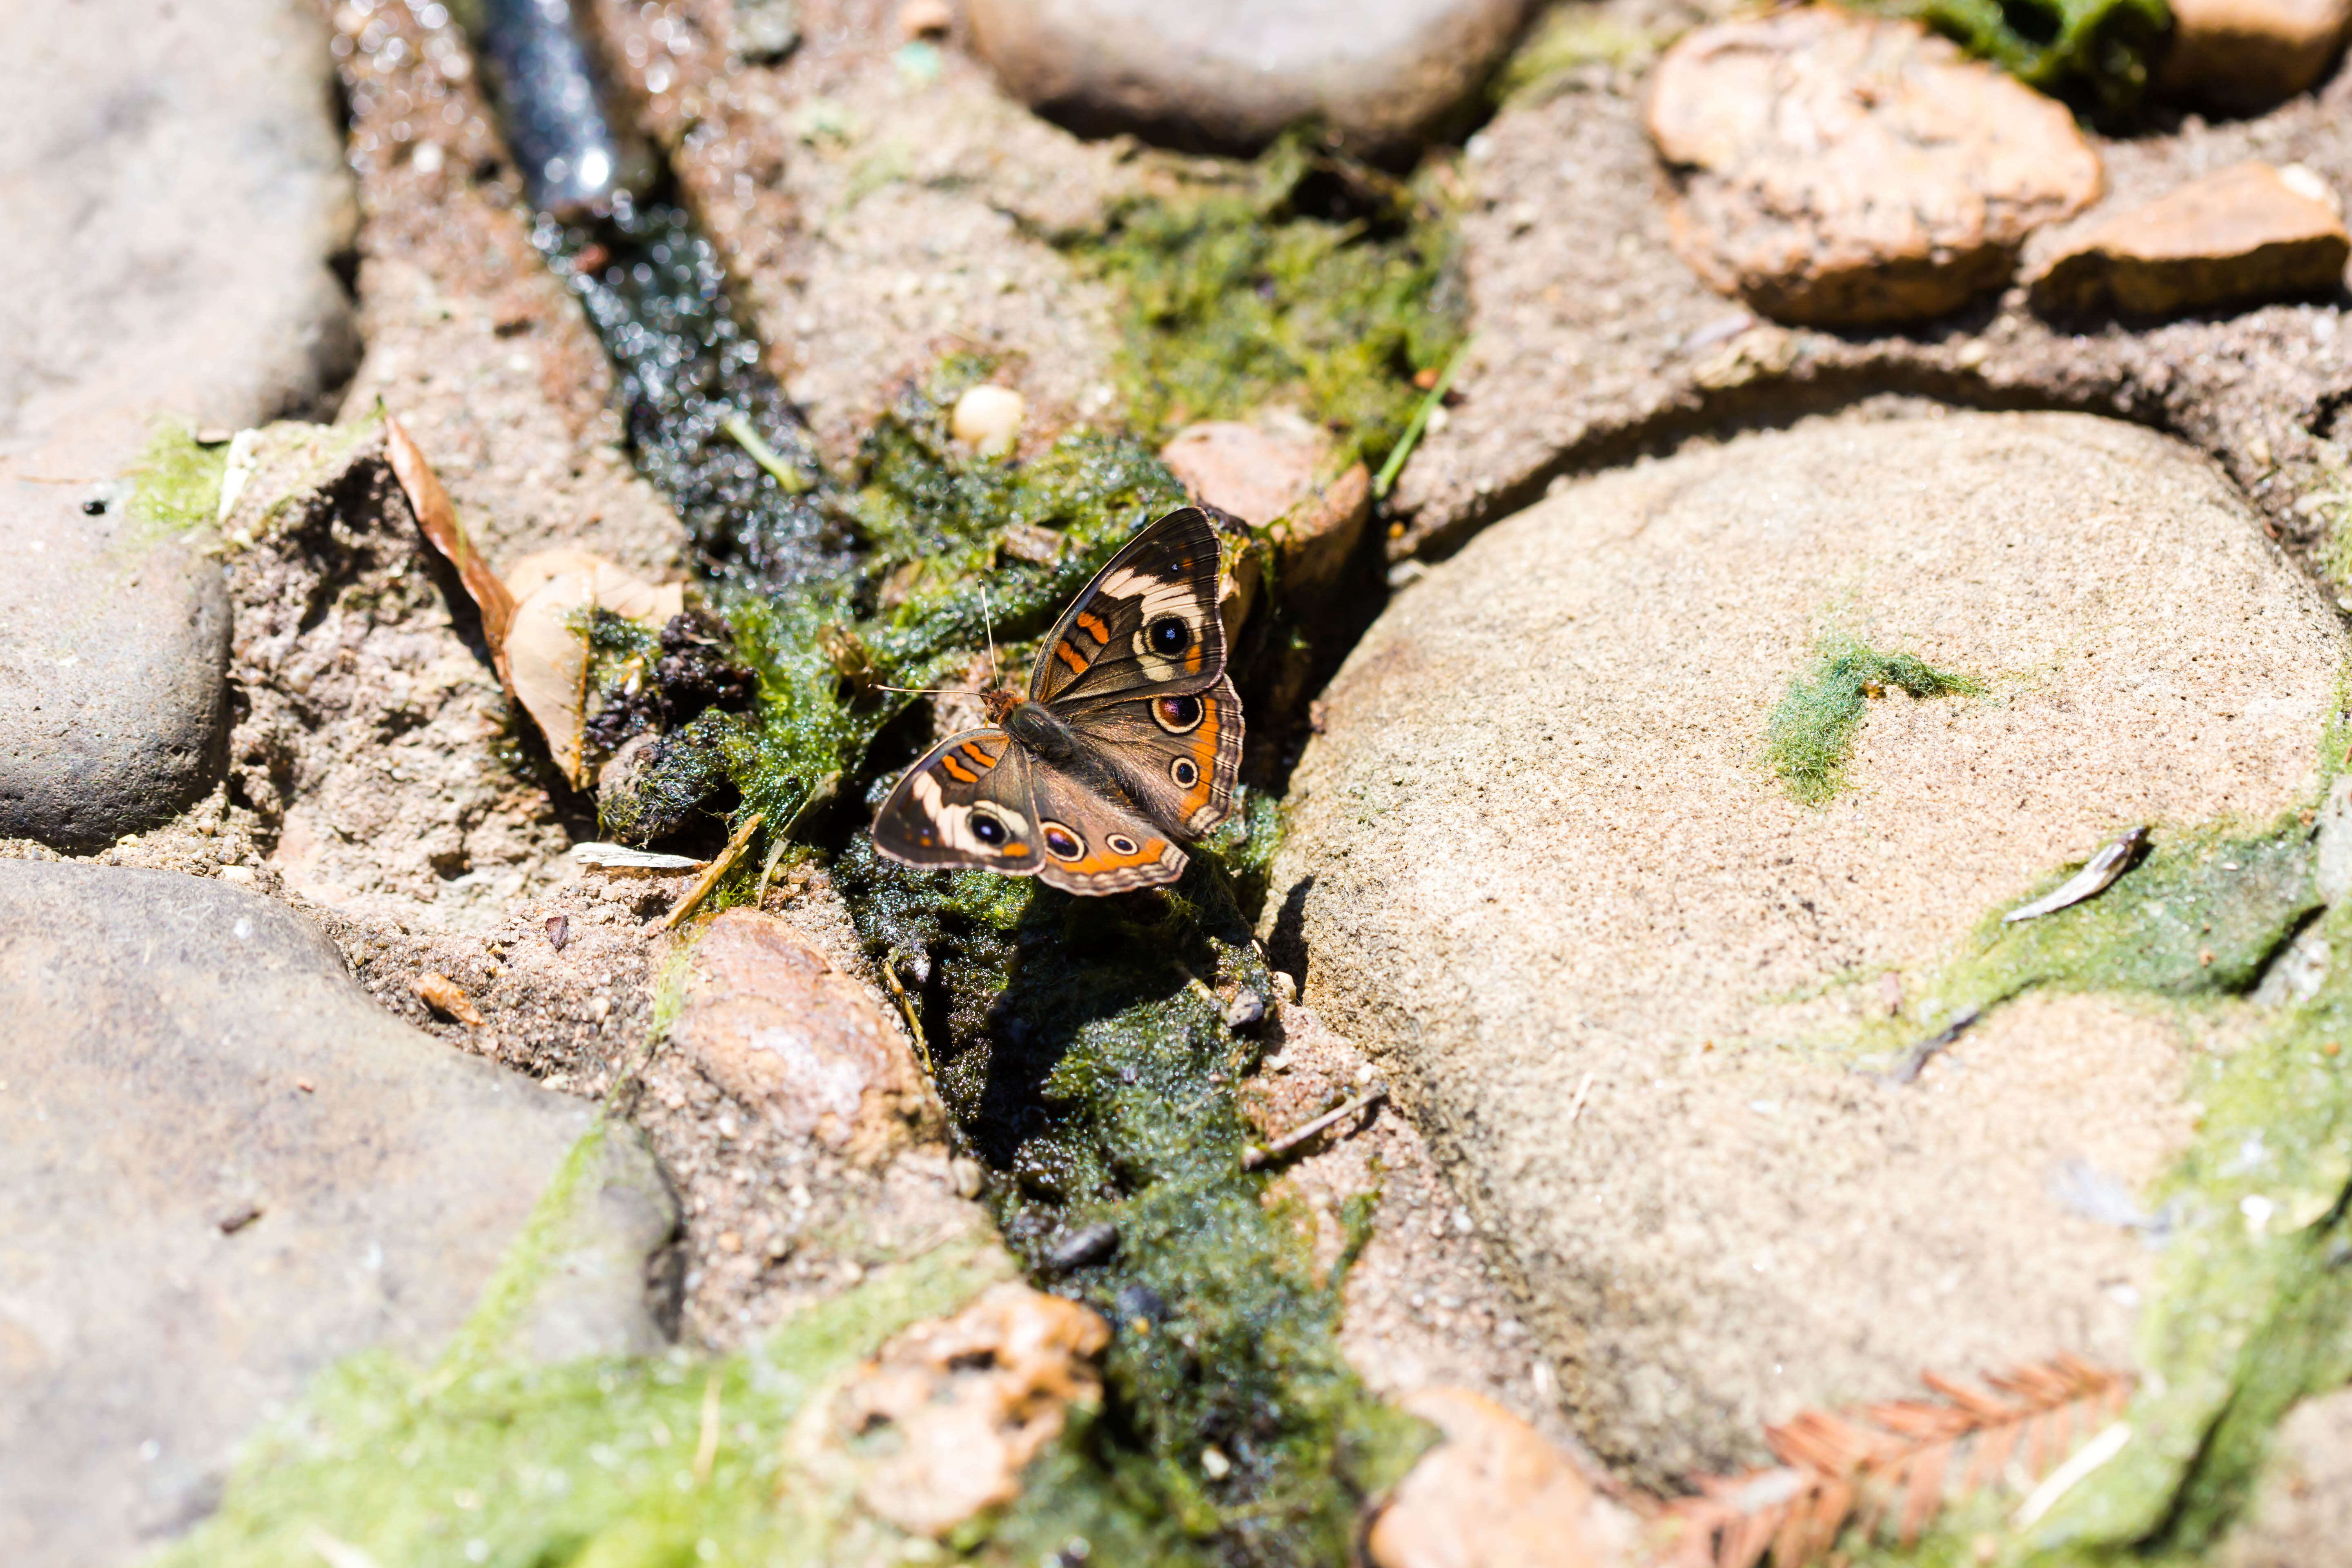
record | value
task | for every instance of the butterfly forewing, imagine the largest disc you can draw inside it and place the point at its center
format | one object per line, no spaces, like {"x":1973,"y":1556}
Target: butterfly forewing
{"x":967,"y":803}
{"x":1175,"y":753}
{"x":1149,"y":618}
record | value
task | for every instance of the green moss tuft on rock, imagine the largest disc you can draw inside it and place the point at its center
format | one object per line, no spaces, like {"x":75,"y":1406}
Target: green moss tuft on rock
{"x":1304,"y":279}
{"x":480,"y":1459}
{"x":1566,"y":39}
{"x":1809,"y":737}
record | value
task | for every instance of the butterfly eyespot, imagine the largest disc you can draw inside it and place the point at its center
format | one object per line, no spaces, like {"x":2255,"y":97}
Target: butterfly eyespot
{"x":988,"y":829}
{"x":1168,"y":635}
{"x":1120,"y":844}
{"x":1176,"y":714}
{"x":1062,"y":844}
{"x":1184,"y":772}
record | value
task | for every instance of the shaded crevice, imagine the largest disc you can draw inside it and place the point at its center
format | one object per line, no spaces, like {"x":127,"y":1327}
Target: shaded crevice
{"x":1768,"y":405}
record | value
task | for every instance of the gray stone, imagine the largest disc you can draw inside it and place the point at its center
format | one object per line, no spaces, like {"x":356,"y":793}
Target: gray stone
{"x":1233,"y":73}
{"x":175,"y":187}
{"x":114,"y":656}
{"x":1537,"y":864}
{"x":223,"y":1167}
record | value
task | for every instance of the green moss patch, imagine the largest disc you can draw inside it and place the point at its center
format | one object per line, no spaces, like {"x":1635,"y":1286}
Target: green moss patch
{"x":176,"y":483}
{"x":2204,"y":913}
{"x":584,"y":1463}
{"x":1567,"y":40}
{"x":2254,"y":1311}
{"x":2093,"y":53}
{"x":2255,"y":1305}
{"x":1808,"y":736}
{"x":1302,"y":279}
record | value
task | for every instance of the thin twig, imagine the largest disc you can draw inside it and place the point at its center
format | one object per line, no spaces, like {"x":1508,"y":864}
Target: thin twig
{"x":1576,"y":1104}
{"x":1907,"y":1069}
{"x":793,"y":481}
{"x":718,"y":869}
{"x":706,"y":1453}
{"x":1254,"y":1156}
{"x":906,"y":1006}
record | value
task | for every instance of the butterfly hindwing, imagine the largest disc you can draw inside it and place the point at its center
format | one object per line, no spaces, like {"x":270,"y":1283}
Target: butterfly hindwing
{"x":968,"y":802}
{"x":1149,"y":618}
{"x":1175,"y":753}
{"x":1095,"y":842}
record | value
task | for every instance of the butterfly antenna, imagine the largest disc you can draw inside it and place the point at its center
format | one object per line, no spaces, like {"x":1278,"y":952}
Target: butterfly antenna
{"x":931,"y":690}
{"x":989,"y":623}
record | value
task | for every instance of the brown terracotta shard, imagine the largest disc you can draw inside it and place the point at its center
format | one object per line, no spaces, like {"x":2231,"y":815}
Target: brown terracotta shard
{"x":1495,"y":1493}
{"x":951,"y":1412}
{"x":1270,"y":471}
{"x":2247,"y":55}
{"x":1833,"y":170}
{"x":2240,"y":236}
{"x":768,"y":1020}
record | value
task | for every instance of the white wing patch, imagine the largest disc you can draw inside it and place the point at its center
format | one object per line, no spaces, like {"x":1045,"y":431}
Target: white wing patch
{"x":954,"y":822}
{"x":1158,"y":597}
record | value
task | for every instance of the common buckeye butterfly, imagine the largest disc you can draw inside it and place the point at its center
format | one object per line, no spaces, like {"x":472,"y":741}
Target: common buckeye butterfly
{"x":1125,"y":747}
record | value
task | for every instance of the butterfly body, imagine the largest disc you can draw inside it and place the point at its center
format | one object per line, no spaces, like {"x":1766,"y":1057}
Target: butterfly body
{"x":1124,"y":748}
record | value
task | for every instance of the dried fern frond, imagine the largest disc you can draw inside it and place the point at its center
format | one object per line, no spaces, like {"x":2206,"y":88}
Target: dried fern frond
{"x":1890,"y":1463}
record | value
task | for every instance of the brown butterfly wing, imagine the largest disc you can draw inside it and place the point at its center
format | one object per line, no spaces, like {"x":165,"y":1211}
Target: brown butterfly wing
{"x":968,"y":802}
{"x":1148,"y":619}
{"x":1175,"y":753}
{"x":1096,"y":844}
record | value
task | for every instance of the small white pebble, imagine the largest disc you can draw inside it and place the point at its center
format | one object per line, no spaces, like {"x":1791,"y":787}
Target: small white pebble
{"x":239,"y":876}
{"x":987,"y":419}
{"x":2305,"y":181}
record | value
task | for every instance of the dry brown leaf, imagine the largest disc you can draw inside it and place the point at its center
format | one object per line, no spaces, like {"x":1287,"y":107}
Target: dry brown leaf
{"x":438,"y":520}
{"x":546,"y":658}
{"x":445,"y":996}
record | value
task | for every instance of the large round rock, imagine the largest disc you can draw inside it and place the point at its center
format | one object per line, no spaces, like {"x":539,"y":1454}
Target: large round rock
{"x":1538,"y":860}
{"x":1231,"y":73}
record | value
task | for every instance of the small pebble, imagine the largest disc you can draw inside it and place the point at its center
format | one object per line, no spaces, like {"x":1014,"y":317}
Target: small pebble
{"x":1090,"y":1244}
{"x":559,"y":930}
{"x":925,"y":19}
{"x":965,"y":1177}
{"x":1141,"y":1304}
{"x":446,"y":996}
{"x":987,"y":419}
{"x":240,"y":875}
